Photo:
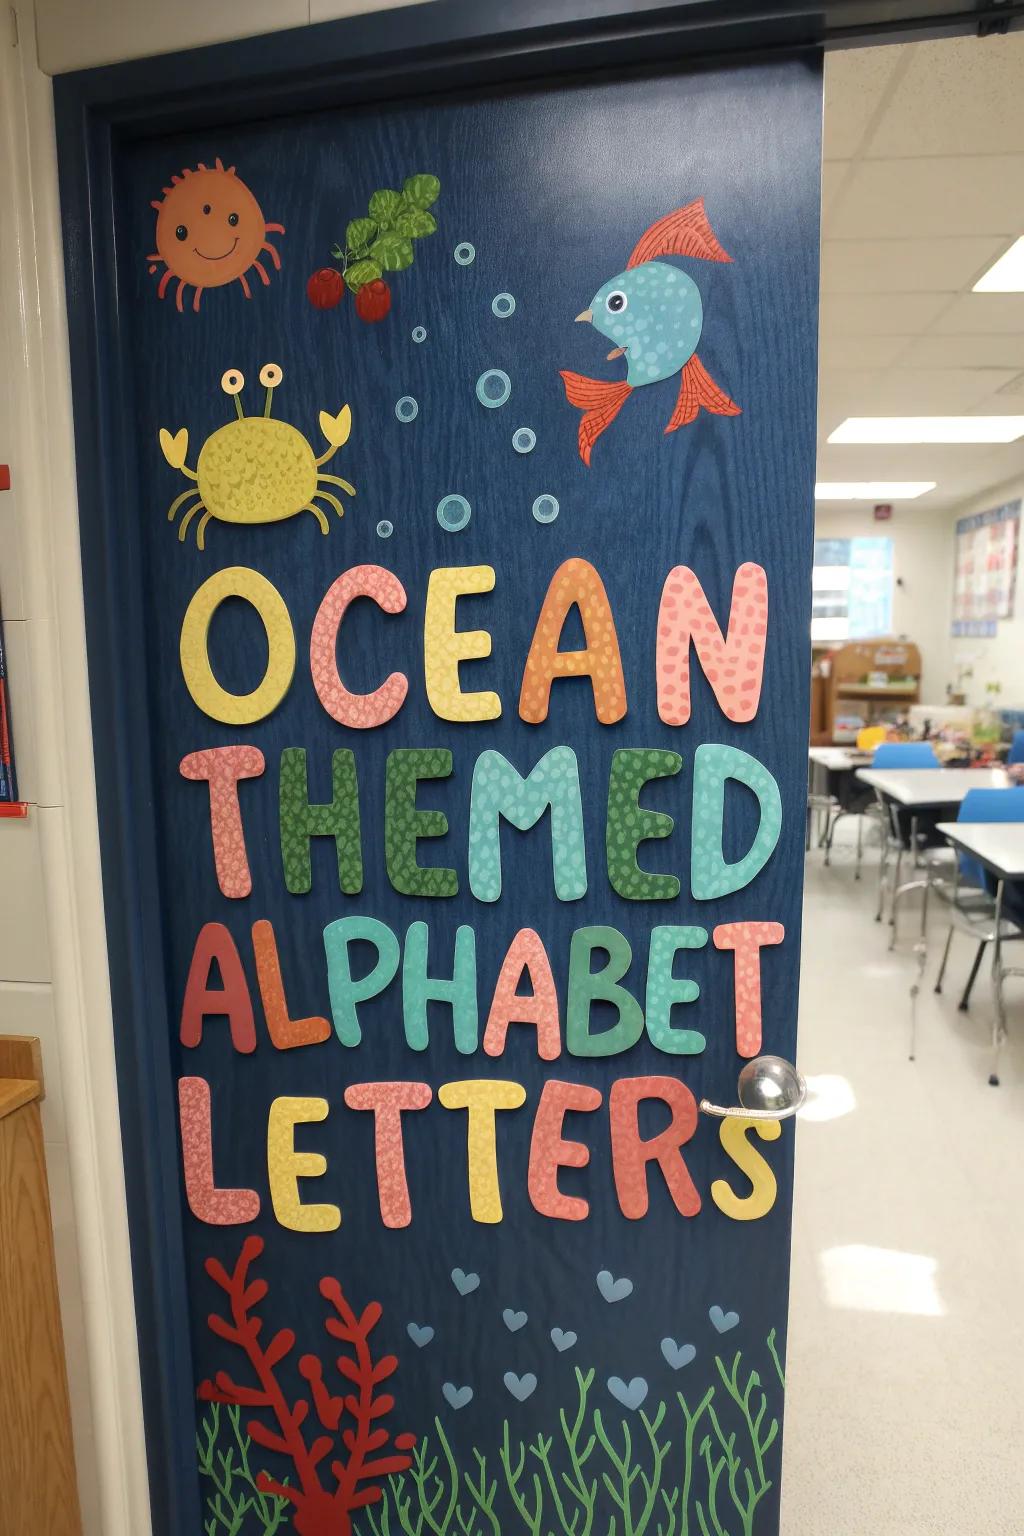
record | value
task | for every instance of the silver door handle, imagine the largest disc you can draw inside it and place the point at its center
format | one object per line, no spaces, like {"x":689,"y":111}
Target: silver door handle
{"x":769,"y":1088}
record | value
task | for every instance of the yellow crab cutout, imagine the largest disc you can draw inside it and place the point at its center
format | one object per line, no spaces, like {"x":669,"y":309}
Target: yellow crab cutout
{"x":256,"y":469}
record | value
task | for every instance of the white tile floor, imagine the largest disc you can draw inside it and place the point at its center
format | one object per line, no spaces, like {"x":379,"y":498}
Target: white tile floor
{"x":905,"y":1403}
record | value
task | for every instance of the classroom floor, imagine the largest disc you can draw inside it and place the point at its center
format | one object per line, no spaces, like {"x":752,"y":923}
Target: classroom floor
{"x":905,"y":1403}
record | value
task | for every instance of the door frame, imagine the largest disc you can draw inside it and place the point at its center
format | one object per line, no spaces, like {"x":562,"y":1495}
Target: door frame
{"x":423,"y":50}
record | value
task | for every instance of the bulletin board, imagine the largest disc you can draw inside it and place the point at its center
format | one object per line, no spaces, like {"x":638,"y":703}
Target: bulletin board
{"x":985,"y":571}
{"x":449,"y":608}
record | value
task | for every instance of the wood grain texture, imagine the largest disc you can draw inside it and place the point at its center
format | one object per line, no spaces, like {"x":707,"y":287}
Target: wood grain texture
{"x":16,"y":1092}
{"x":37,"y":1467}
{"x":22,"y":1056}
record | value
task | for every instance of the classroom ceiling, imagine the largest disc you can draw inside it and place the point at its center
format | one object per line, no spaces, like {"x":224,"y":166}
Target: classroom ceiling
{"x":922,"y":188}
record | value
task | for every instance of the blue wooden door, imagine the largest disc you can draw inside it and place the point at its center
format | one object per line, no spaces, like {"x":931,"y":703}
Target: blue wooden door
{"x":472,"y":450}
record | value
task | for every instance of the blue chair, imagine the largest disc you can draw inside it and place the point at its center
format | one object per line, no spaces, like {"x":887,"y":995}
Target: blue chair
{"x":1016,"y":753}
{"x":906,"y":754}
{"x":900,"y":825}
{"x":972,"y":896}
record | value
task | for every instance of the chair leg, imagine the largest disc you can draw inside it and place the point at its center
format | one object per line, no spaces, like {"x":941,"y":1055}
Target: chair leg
{"x":894,"y":903}
{"x":860,"y":846}
{"x":883,"y":862}
{"x":999,"y":1020}
{"x":975,"y":968}
{"x":945,"y":957}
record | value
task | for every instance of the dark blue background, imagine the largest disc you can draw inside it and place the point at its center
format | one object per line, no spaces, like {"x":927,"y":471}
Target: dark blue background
{"x":553,"y":187}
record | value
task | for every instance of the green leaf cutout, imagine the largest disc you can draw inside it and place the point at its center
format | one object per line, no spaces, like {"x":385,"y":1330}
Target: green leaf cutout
{"x":392,"y":252}
{"x":360,"y":273}
{"x":421,"y":191}
{"x":384,"y":206}
{"x":360,"y":233}
{"x":414,"y":222}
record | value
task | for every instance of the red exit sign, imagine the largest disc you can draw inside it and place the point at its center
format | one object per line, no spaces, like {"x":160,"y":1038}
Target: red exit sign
{"x":883,"y":512}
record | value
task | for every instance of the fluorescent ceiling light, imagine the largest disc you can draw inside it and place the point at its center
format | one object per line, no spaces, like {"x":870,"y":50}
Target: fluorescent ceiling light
{"x":928,"y":429}
{"x":1005,"y":275}
{"x":871,"y":490}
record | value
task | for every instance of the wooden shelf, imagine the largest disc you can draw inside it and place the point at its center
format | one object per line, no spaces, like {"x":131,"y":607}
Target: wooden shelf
{"x":873,"y":691}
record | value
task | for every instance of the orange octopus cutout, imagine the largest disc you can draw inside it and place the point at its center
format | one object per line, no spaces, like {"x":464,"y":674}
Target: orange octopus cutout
{"x":210,"y":231}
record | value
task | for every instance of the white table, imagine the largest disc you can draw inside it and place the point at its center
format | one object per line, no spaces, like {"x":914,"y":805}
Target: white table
{"x":917,"y":790}
{"x":838,"y":759}
{"x":828,"y":764}
{"x":999,"y":846}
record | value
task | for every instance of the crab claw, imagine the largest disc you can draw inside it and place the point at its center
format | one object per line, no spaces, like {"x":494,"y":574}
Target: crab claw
{"x":336,"y":429}
{"x":174,"y":448}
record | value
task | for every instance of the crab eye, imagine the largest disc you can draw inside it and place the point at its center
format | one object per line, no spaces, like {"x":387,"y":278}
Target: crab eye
{"x":181,"y":232}
{"x":232,"y":382}
{"x":206,"y":207}
{"x":232,"y":219}
{"x":616,"y":302}
{"x":271,"y":375}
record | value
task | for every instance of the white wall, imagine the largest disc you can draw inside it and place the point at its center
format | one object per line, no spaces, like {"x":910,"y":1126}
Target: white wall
{"x":922,"y":566}
{"x":1001,"y":659}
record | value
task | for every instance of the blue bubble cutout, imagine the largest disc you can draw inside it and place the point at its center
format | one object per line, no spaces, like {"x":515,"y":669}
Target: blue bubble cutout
{"x":545,"y":508}
{"x":453,"y":513}
{"x":503,"y":305}
{"x":407,"y":409}
{"x":524,"y":439}
{"x":493,"y":388}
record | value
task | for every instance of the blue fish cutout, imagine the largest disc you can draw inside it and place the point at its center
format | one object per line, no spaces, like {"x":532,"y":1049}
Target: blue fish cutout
{"x":653,"y":313}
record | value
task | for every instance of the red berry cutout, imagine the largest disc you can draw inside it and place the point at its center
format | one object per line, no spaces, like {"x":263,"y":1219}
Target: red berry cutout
{"x":373,"y":300}
{"x":325,"y":288}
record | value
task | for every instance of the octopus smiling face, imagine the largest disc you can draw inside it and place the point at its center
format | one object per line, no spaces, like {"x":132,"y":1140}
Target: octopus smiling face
{"x":210,"y":231}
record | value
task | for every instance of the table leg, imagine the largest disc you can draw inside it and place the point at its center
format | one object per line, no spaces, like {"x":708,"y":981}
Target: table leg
{"x":999,"y":1015}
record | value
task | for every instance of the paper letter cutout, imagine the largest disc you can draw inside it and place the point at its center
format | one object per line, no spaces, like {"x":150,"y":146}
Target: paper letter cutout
{"x":499,"y":790}
{"x":481,"y":1097}
{"x":444,"y":646}
{"x":733,"y":1132}
{"x":285,"y":1032}
{"x":346,"y":993}
{"x":549,"y":1151}
{"x":539,"y":1006}
{"x":387,"y":1101}
{"x":217,"y":1207}
{"x":404,"y":825}
{"x":300,"y":821}
{"x":232,"y":998}
{"x":361,"y":711}
{"x":664,"y":989}
{"x":207,"y":693}
{"x":575,"y":583}
{"x":223,"y":767}
{"x":629,"y":824}
{"x":586,"y":986}
{"x":286,"y":1167}
{"x":733,"y":666}
{"x":747,"y":941}
{"x":710,"y":875}
{"x":631,"y":1153}
{"x":418,"y":989}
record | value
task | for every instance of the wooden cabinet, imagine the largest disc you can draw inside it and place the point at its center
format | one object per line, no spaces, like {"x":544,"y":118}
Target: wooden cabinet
{"x":37,"y":1466}
{"x":868,"y":682}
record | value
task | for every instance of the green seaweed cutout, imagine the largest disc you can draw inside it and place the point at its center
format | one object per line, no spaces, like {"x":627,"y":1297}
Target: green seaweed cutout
{"x":233,"y":1494}
{"x":383,"y":241}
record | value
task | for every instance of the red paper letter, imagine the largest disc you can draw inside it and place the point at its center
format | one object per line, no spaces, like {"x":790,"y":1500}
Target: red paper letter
{"x":549,"y":1151}
{"x":631,"y":1154}
{"x":285,"y":1032}
{"x":217,"y":1207}
{"x":732,"y":666}
{"x":746,"y":941}
{"x":540,"y":1007}
{"x":222,"y":767}
{"x":362,"y":711}
{"x":387,"y":1100}
{"x":215,"y":943}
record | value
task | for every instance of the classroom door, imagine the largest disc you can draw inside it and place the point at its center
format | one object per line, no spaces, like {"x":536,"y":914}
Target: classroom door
{"x":470,"y":526}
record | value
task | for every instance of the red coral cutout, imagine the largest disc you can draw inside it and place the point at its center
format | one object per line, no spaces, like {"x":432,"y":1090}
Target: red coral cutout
{"x":319,"y":1510}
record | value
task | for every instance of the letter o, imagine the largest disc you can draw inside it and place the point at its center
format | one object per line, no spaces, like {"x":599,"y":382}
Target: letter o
{"x":207,"y":693}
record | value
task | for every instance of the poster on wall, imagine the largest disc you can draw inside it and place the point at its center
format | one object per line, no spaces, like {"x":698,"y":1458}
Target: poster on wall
{"x":475,"y":461}
{"x":985,"y":572}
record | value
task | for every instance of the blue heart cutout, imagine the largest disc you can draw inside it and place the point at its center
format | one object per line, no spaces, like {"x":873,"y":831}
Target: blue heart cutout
{"x":464,"y":1283}
{"x":420,"y":1333}
{"x":521,"y":1387}
{"x":677,"y":1355}
{"x":722,"y":1321}
{"x":458,"y":1397}
{"x":612,"y":1289}
{"x":630,"y":1395}
{"x":562,"y":1339}
{"x":513,"y":1320}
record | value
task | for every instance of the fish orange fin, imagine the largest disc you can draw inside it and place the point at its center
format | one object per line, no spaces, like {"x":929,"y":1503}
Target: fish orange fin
{"x":698,"y":389}
{"x":686,"y":232}
{"x":600,"y":400}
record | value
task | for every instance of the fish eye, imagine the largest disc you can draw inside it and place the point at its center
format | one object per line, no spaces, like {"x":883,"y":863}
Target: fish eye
{"x":232,"y":382}
{"x":616,"y":302}
{"x":271,"y":375}
{"x":206,"y":207}
{"x":232,"y":219}
{"x":181,"y":232}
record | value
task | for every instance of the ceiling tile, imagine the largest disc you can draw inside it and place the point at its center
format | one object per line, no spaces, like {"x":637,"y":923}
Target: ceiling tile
{"x":963,"y":96}
{"x":855,"y":82}
{"x":951,"y":195}
{"x":881,"y":314}
{"x":935,"y":391}
{"x":833,"y":176}
{"x":861,"y":352}
{"x":904,"y":266}
{"x":983,"y":314}
{"x":996,"y":351}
